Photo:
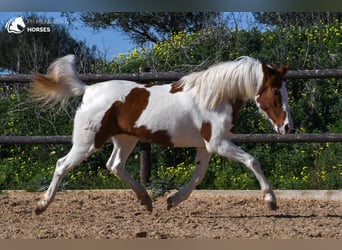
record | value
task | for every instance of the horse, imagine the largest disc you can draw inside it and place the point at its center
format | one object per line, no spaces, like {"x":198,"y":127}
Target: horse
{"x":15,"y":25}
{"x":199,"y":111}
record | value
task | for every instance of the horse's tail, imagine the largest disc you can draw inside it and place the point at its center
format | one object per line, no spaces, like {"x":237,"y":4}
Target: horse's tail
{"x":59,"y":84}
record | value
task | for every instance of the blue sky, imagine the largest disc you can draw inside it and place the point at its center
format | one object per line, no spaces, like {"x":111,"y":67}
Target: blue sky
{"x":109,"y":42}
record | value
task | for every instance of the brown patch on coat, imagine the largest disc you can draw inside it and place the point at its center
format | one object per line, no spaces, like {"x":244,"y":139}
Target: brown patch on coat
{"x":148,"y":85}
{"x":236,"y":106}
{"x":160,"y":137}
{"x":121,"y":117}
{"x":176,"y":87}
{"x":206,"y":131}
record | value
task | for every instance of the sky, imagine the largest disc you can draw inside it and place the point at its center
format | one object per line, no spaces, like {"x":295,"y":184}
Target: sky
{"x":110,"y":42}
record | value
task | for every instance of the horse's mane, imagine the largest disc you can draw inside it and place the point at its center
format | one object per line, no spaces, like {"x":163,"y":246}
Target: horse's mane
{"x":238,"y":79}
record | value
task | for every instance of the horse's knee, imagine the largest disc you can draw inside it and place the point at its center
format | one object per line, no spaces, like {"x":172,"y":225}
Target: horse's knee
{"x":252,"y":162}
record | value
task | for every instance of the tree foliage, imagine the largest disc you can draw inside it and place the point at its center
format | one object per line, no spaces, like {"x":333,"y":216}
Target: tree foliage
{"x":302,"y":19}
{"x":143,"y":27}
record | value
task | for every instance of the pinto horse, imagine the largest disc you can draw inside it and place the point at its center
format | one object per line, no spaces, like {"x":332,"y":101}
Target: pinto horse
{"x":200,"y":111}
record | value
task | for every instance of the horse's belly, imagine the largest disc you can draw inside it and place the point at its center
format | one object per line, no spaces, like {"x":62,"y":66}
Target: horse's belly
{"x":188,"y":139}
{"x":177,"y":129}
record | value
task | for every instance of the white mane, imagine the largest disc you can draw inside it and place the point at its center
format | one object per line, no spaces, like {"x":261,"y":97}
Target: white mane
{"x":238,"y":79}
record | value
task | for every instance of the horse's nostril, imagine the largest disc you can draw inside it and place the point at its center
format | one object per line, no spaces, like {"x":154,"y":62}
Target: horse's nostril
{"x":288,"y":128}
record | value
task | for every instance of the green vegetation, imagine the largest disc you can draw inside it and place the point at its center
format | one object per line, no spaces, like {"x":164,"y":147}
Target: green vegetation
{"x":316,"y":107}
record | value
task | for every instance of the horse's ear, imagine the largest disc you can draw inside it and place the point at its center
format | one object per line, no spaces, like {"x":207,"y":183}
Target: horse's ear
{"x":265,"y":70}
{"x":283,"y":69}
{"x":268,"y":70}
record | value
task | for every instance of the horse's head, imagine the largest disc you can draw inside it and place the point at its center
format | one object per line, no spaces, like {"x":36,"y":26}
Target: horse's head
{"x":272,"y":98}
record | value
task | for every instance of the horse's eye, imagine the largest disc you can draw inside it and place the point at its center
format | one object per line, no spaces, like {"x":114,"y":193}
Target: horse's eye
{"x":276,"y":92}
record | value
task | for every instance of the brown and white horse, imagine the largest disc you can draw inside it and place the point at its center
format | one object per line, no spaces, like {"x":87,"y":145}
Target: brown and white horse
{"x":200,"y":111}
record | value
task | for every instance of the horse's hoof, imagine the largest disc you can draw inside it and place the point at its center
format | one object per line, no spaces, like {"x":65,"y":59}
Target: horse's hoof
{"x":270,"y":201}
{"x":39,"y":210}
{"x":147,"y":205}
{"x":271,"y":205}
{"x":170,"y":203}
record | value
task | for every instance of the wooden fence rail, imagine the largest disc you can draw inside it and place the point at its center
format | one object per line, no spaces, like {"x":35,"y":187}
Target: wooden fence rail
{"x":145,"y":77}
{"x":238,"y":138}
{"x":171,"y":76}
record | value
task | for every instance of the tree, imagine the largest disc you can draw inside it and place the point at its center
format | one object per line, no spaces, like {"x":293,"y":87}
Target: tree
{"x":302,"y":19}
{"x":143,"y":27}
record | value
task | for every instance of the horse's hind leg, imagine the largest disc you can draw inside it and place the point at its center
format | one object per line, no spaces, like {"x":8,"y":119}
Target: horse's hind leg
{"x":64,"y":166}
{"x":123,"y":146}
{"x":201,"y":162}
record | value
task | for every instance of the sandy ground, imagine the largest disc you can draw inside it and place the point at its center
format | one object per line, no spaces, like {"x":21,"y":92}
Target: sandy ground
{"x":116,"y":214}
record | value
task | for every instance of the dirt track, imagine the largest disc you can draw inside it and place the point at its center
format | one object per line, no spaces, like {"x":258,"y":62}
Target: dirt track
{"x":117,"y":215}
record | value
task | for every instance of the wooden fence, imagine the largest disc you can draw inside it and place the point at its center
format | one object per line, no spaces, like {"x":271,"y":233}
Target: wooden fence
{"x":144,"y":77}
{"x":172,"y":76}
{"x":238,"y":138}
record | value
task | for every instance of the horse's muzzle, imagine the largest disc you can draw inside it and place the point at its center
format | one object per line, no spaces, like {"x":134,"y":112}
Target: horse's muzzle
{"x":286,"y":129}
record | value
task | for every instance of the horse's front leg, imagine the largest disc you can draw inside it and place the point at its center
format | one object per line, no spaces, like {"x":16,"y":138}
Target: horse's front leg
{"x":201,"y":163}
{"x":230,"y":150}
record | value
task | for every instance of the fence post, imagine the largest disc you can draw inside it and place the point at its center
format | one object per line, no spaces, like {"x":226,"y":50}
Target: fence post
{"x":145,"y":152}
{"x":145,"y":162}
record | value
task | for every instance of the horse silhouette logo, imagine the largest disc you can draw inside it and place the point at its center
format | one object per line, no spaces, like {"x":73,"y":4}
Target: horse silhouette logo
{"x":15,"y":25}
